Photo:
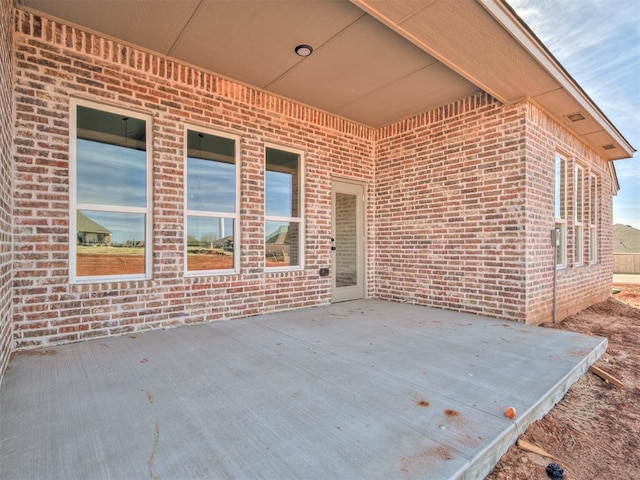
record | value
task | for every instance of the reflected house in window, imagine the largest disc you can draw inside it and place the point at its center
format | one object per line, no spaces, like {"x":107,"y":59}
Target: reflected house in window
{"x":278,"y":245}
{"x":209,"y":244}
{"x":92,"y":233}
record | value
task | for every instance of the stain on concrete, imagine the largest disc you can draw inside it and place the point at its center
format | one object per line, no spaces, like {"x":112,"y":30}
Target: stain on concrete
{"x":156,"y":439}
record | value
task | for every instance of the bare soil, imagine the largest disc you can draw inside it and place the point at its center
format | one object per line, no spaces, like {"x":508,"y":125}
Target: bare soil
{"x":109,"y":264}
{"x":98,"y":264}
{"x":594,"y":431}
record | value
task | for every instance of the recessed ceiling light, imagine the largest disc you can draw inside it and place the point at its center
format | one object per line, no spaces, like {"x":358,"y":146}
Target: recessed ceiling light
{"x":304,"y":50}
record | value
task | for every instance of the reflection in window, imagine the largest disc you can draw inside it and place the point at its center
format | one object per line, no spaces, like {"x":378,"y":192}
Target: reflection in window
{"x":346,"y":239}
{"x":283,"y":206}
{"x":211,"y":203}
{"x":578,"y":207}
{"x":110,"y":207}
{"x":593,"y":218}
{"x":560,"y":211}
{"x":110,"y":243}
{"x":110,"y":174}
{"x":281,"y":243}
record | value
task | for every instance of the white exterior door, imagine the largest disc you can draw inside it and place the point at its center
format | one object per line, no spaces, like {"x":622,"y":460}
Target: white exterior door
{"x":347,"y":242}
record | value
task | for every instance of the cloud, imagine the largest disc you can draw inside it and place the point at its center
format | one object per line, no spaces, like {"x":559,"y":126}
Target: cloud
{"x":278,"y":194}
{"x":111,"y":175}
{"x":627,"y":170}
{"x":211,"y":186}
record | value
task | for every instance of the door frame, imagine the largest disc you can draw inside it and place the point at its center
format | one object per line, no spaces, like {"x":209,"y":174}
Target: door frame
{"x":358,"y":291}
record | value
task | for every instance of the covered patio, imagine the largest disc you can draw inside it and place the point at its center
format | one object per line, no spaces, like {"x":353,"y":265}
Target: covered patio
{"x":363,"y":389}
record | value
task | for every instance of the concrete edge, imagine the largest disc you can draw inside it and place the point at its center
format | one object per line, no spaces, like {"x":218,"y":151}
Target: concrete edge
{"x":485,"y":460}
{"x":560,"y":389}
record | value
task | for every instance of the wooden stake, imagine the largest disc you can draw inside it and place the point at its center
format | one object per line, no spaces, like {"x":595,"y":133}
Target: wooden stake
{"x":607,"y":377}
{"x":530,"y":447}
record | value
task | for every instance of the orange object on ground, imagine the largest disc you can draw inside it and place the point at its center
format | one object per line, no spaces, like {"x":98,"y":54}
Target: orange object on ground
{"x":510,"y":413}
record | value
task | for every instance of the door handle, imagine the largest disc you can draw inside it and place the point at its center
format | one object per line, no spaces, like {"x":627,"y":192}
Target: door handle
{"x":333,"y":248}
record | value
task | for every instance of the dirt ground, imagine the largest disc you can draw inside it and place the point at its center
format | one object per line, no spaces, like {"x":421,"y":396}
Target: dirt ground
{"x":594,"y":431}
{"x":88,"y":264}
{"x":97,"y":264}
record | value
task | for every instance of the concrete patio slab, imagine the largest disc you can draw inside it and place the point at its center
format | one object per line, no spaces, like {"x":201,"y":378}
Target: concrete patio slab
{"x":365,"y":389}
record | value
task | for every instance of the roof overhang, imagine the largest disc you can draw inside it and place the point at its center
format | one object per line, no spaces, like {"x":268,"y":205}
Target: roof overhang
{"x":488,"y":44}
{"x":374,"y":62}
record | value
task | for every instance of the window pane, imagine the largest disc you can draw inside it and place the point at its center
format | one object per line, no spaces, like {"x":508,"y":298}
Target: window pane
{"x":282,"y":179}
{"x":110,"y":243}
{"x":211,"y":173}
{"x":579,"y":195}
{"x":594,"y":202}
{"x":111,"y":159}
{"x":578,"y":245}
{"x":560,"y":187}
{"x":210,"y":242}
{"x":346,"y":241}
{"x":281,"y":244}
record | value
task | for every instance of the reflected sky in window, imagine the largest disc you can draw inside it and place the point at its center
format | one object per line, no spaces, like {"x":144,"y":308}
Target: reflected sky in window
{"x":211,"y":185}
{"x":279,"y":197}
{"x":111,"y":174}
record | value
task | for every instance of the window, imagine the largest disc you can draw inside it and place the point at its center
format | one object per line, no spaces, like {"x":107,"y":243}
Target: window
{"x":110,"y":182}
{"x":578,"y":207}
{"x":212,"y":203}
{"x":284,"y":235}
{"x":560,"y":211}
{"x":593,"y":218}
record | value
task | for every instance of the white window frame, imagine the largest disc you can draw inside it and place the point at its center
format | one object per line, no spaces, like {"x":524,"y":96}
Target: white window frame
{"x":593,"y":218}
{"x":75,"y":206}
{"x":578,"y":215}
{"x":561,"y":220}
{"x":213,"y":214}
{"x":274,"y":218}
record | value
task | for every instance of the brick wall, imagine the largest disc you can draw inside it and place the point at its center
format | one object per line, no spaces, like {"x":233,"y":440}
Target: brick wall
{"x":577,"y":286}
{"x":6,"y":175}
{"x":478,"y":238}
{"x":458,"y":218}
{"x":55,"y":62}
{"x":450,"y":209}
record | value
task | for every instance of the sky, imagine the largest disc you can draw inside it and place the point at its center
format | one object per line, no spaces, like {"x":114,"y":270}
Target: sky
{"x":598,"y":43}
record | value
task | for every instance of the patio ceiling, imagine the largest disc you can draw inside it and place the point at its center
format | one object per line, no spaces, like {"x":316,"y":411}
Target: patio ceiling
{"x":374,"y":61}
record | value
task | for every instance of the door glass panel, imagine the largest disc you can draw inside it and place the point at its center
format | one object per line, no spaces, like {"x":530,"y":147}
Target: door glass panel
{"x":346,"y":240}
